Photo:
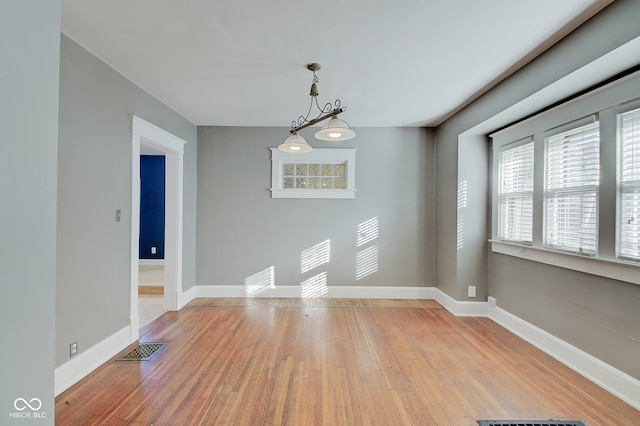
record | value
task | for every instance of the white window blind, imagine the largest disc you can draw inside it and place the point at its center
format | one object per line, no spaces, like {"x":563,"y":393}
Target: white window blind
{"x":572,"y":176}
{"x":515,"y":194}
{"x":629,"y":185}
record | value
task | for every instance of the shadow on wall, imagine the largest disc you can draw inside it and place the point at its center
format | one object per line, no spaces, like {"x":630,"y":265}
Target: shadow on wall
{"x":318,"y":255}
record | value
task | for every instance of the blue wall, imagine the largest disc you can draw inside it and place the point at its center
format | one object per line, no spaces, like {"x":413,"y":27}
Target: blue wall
{"x":152,"y":194}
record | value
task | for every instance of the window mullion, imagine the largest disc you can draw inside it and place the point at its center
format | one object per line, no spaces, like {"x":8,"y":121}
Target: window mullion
{"x":607,"y":207}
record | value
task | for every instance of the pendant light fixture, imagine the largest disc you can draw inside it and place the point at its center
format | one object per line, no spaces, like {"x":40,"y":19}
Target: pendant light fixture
{"x":335,"y":129}
{"x":295,"y":143}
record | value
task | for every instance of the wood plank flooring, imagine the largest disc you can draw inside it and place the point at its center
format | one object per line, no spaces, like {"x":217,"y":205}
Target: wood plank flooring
{"x":333,"y":362}
{"x":150,"y":293}
{"x":150,"y":307}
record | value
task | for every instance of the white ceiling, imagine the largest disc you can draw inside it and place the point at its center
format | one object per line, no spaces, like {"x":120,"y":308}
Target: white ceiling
{"x":243,"y":62}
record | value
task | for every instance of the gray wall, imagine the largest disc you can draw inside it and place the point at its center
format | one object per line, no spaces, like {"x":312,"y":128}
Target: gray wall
{"x":29,"y":34}
{"x":598,"y":315}
{"x":578,"y":308}
{"x":94,"y":179}
{"x":242,"y":230}
{"x":472,"y":220}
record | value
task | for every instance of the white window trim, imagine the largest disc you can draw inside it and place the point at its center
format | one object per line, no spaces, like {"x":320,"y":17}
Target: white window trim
{"x":603,"y":101}
{"x":317,"y":156}
{"x":504,"y":148}
{"x":614,"y":269}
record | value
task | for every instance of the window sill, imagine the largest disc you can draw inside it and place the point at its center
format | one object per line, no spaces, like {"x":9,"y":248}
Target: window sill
{"x":614,"y":269}
{"x":313,"y":193}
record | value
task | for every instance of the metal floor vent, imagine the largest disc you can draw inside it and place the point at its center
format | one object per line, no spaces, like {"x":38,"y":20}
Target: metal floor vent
{"x":142,"y":352}
{"x":530,"y":423}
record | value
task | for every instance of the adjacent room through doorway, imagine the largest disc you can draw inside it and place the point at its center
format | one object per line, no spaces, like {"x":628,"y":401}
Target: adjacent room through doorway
{"x":165,"y":248}
{"x":152,"y":234}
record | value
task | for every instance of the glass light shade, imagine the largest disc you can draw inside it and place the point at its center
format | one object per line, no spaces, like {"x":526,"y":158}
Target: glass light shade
{"x":294,"y":143}
{"x":335,"y":130}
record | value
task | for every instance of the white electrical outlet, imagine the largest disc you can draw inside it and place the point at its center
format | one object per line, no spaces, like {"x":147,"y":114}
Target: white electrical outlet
{"x":471,"y":291}
{"x":73,"y":349}
{"x":492,"y":301}
{"x":153,"y":250}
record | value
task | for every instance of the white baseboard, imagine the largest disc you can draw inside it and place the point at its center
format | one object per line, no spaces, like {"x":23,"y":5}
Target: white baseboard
{"x":357,"y":292}
{"x":458,"y":308}
{"x":615,"y":381}
{"x":461,"y":308}
{"x":85,"y":362}
{"x":150,"y":262}
{"x":346,"y":292}
{"x":186,"y":297}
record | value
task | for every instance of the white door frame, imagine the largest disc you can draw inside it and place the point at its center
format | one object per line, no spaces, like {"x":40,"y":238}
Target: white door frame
{"x":143,"y":132}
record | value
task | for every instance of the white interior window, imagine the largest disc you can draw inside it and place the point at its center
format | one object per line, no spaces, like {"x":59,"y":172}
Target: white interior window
{"x":321,"y":173}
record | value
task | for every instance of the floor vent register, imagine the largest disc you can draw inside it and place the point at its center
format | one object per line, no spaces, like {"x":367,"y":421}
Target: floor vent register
{"x":142,"y":352}
{"x":530,"y":423}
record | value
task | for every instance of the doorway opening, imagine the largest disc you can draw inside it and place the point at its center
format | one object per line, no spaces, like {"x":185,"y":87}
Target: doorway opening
{"x":146,"y":136}
{"x":151,"y":241}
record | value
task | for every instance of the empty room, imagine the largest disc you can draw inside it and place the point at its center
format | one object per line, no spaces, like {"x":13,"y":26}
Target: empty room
{"x":338,"y":213}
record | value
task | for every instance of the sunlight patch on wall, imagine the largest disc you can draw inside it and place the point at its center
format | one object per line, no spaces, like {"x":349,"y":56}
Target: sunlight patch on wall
{"x":462,"y":203}
{"x":260,"y":281}
{"x":367,"y":259}
{"x":367,"y":231}
{"x":460,"y":232}
{"x":366,"y":262}
{"x":315,"y":286}
{"x":462,"y":194}
{"x":315,"y":256}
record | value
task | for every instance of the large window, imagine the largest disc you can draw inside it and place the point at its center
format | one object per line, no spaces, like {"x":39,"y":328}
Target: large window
{"x":515,"y":190}
{"x":629,"y":184}
{"x":566,"y":184}
{"x":572,"y":166}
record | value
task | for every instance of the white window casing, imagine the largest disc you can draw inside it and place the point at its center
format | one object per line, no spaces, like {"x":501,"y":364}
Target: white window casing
{"x":321,"y":173}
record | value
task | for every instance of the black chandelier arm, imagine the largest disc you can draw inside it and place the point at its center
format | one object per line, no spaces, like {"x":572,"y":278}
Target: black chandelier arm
{"x":303,"y":119}
{"x":320,"y":118}
{"x":328,"y":110}
{"x":327,"y":107}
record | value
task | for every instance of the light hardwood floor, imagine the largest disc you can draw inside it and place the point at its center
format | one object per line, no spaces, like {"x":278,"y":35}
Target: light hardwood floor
{"x":334,"y":362}
{"x":150,"y":306}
